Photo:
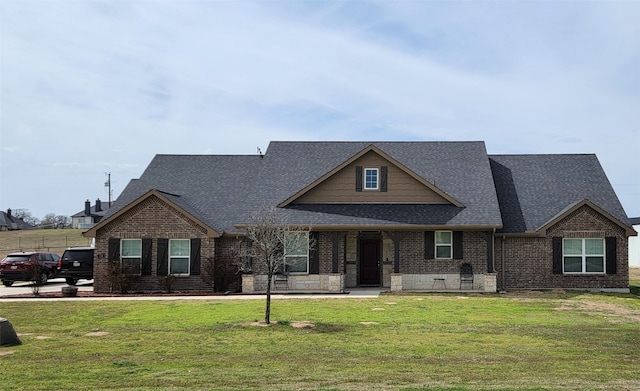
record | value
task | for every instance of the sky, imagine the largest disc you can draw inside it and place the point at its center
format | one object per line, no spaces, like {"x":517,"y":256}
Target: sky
{"x":95,"y":87}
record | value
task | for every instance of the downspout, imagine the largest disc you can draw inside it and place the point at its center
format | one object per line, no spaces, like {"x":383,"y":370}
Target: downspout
{"x":504,"y":288}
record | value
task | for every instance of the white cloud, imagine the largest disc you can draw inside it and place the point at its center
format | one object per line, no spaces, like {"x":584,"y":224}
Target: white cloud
{"x":89,"y":83}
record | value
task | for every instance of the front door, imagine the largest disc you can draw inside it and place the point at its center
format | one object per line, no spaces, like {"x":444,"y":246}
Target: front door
{"x":370,"y":262}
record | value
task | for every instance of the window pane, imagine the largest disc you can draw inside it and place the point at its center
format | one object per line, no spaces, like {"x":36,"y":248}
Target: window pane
{"x":131,"y":266}
{"x":179,"y":266}
{"x":296,"y":264}
{"x":443,"y":252}
{"x":131,"y":247}
{"x":179,"y":247}
{"x":573,"y":246}
{"x":594,"y":246}
{"x":371,"y":178}
{"x":443,"y":237}
{"x":595,"y":264}
{"x":297,"y":243}
{"x":572,"y":264}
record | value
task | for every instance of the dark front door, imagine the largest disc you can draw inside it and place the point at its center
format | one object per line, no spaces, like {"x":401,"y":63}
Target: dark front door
{"x":369,"y":262}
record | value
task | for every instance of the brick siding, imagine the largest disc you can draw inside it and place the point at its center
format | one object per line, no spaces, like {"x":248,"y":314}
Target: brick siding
{"x":528,"y":261}
{"x":152,"y":218}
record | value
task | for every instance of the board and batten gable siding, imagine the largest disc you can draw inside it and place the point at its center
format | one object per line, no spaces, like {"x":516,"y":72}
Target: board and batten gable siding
{"x":528,"y":260}
{"x":400,"y":186}
{"x":154,"y":221}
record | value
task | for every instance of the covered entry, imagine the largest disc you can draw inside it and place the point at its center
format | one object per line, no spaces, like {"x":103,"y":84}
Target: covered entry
{"x":370,"y":257}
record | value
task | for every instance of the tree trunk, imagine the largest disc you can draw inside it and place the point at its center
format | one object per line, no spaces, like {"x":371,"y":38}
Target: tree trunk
{"x":267,"y":312}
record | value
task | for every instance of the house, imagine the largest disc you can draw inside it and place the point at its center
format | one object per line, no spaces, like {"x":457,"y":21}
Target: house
{"x":90,"y":215}
{"x":8,"y":222}
{"x":400,"y":215}
{"x":634,"y":244}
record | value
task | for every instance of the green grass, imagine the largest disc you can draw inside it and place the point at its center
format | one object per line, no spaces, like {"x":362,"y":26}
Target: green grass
{"x":52,"y":240}
{"x":535,"y":341}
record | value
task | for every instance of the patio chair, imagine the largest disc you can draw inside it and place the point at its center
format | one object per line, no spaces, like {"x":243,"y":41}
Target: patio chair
{"x":466,"y":275}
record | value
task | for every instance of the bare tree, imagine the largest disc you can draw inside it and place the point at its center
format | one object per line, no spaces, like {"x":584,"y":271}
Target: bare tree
{"x":268,"y":232}
{"x":26,"y":216}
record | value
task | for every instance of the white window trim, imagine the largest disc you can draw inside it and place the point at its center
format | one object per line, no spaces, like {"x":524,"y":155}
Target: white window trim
{"x":297,"y":255}
{"x":584,"y":256}
{"x":122,"y":257}
{"x":188,"y":260}
{"x":436,"y":245}
{"x":377,"y":170}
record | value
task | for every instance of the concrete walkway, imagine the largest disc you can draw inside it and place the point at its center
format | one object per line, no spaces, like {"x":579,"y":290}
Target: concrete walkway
{"x":356,"y":293}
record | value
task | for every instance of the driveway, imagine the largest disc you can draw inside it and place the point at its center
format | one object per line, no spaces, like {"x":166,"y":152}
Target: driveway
{"x":53,"y":285}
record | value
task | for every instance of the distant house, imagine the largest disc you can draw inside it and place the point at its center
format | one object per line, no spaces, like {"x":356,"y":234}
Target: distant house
{"x":634,"y":244}
{"x":8,"y":222}
{"x":414,"y":216}
{"x":90,"y":215}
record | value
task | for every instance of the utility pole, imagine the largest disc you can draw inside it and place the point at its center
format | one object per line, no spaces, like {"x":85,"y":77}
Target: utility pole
{"x":107,"y":184}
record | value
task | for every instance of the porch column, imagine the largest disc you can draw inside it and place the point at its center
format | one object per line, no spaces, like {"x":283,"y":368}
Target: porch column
{"x":395,"y":237}
{"x":334,"y":256}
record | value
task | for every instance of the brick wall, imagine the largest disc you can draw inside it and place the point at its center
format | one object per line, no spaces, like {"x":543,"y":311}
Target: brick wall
{"x":152,"y":218}
{"x":412,"y":259}
{"x":529,"y":260}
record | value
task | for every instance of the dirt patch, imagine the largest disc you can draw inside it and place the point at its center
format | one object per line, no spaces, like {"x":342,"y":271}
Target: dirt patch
{"x":6,"y":352}
{"x":96,"y":334}
{"x":377,"y":309}
{"x":302,"y":324}
{"x":368,"y":323}
{"x":42,"y":337}
{"x":600,"y":309}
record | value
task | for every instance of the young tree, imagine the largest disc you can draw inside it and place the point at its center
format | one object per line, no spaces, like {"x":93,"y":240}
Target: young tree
{"x":268,"y":232}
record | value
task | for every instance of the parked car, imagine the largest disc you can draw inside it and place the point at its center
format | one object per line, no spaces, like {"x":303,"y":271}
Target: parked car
{"x":76,"y":263}
{"x":28,"y":266}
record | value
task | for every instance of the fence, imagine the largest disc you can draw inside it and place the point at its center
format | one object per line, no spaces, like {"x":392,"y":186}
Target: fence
{"x":49,"y":243}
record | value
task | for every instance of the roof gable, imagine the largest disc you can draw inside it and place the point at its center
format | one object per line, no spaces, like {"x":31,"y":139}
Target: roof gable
{"x":572,"y":208}
{"x":339,"y":184}
{"x":172,"y":199}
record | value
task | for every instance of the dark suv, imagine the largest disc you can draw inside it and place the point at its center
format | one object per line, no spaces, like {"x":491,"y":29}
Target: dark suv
{"x":76,"y":263}
{"x":28,"y":266}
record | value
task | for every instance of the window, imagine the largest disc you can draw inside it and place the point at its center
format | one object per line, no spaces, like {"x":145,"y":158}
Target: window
{"x":131,"y":256}
{"x":444,"y":244}
{"x":371,"y":178}
{"x":296,"y":252}
{"x":179,"y":250}
{"x":583,"y":255}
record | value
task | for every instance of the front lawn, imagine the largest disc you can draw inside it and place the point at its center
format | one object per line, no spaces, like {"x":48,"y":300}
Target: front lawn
{"x":518,"y":341}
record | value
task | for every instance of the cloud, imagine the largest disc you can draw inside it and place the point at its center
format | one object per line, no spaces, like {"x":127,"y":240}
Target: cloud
{"x":117,"y":82}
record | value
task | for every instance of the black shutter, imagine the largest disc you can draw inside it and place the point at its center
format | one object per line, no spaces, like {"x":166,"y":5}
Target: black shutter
{"x":557,"y":255}
{"x":429,"y":244}
{"x":195,"y":256}
{"x":163,"y":257}
{"x":611,"y":261}
{"x":114,"y":249}
{"x":457,"y":245}
{"x":146,"y":256}
{"x":314,"y":254}
{"x":358,"y":178}
{"x":383,"y":178}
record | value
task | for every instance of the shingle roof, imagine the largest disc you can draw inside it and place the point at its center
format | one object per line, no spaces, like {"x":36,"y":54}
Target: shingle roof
{"x":12,"y":223}
{"x":518,"y":192}
{"x":533,"y":189}
{"x":223,"y":190}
